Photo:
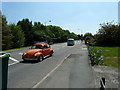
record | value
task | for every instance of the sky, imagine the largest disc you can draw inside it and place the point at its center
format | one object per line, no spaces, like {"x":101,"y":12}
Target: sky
{"x":77,"y":17}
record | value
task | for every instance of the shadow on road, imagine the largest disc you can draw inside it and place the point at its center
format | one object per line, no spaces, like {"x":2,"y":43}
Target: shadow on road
{"x":33,"y":61}
{"x":30,"y":61}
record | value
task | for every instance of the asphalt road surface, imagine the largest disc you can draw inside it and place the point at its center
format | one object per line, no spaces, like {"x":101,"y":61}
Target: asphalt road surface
{"x":69,"y":67}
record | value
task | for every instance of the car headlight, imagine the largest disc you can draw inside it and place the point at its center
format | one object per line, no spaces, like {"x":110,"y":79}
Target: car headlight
{"x":24,"y":54}
{"x":35,"y":55}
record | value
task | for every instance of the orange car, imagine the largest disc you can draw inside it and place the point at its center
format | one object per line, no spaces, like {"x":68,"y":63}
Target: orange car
{"x":37,"y":52}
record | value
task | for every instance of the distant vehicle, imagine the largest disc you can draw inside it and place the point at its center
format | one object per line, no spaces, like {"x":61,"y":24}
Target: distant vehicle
{"x":37,"y":52}
{"x":70,"y":42}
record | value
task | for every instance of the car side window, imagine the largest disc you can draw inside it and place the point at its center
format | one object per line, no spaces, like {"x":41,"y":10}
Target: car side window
{"x":36,"y":47}
{"x":48,"y":46}
{"x":45,"y":47}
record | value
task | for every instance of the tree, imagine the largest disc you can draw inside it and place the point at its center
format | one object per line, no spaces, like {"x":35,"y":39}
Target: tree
{"x":88,"y":37}
{"x":79,"y":36}
{"x":108,"y":34}
{"x":39,"y":36}
{"x":18,"y":34}
{"x":7,"y":36}
{"x":26,"y":26}
{"x":56,"y":33}
{"x":41,"y":32}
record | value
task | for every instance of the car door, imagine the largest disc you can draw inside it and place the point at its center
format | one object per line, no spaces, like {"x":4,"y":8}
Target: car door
{"x":46,"y":50}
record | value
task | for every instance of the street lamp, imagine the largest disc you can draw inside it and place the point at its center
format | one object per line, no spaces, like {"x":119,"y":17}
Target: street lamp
{"x":46,"y":29}
{"x":48,"y":21}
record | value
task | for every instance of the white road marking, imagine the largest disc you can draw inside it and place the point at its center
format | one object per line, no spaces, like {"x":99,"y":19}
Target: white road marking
{"x":12,"y":63}
{"x":84,"y":48}
{"x":36,"y":85}
{"x":15,"y":61}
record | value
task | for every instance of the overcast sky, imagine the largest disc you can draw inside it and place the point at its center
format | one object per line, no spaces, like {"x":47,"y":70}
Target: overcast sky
{"x":77,"y":17}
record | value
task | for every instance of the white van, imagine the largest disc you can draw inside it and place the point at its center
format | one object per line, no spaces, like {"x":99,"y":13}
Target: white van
{"x":70,"y":42}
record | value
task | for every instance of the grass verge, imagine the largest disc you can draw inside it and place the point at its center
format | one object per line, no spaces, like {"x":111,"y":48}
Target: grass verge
{"x":110,"y":55}
{"x":16,"y":48}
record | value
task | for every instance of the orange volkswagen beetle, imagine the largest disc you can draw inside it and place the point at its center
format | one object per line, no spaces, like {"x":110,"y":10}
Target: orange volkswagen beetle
{"x":37,"y":52}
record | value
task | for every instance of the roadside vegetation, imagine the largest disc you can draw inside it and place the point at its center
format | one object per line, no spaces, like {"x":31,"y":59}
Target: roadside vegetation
{"x":110,"y":55}
{"x":107,"y":41}
{"x":26,"y":33}
{"x":17,"y":48}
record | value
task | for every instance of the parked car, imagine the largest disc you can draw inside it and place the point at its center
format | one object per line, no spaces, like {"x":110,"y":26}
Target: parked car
{"x":70,"y":42}
{"x":38,"y":52}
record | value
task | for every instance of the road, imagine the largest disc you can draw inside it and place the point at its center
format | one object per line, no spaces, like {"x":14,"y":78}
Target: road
{"x":69,"y":67}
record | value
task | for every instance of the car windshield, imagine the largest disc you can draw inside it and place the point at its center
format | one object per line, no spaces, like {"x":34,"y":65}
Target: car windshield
{"x":70,"y":40}
{"x":37,"y":47}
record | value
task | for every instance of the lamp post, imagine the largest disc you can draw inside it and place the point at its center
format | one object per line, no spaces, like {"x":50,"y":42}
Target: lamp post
{"x":46,"y":29}
{"x":48,"y":21}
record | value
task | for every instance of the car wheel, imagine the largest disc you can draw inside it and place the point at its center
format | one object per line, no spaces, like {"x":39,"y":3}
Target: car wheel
{"x":51,"y":53}
{"x":40,"y":58}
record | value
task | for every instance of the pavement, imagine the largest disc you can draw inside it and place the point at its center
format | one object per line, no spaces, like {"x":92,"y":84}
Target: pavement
{"x":69,"y":67}
{"x":109,"y":73}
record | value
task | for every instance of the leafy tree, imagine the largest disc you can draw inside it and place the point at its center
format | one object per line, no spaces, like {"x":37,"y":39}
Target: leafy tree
{"x":88,"y":38}
{"x":39,"y":36}
{"x":18,"y":34}
{"x":56,"y":33}
{"x":7,"y":36}
{"x":108,"y":34}
{"x":26,"y":26}
{"x":73,"y":35}
{"x":88,"y":35}
{"x":41,"y":33}
{"x":79,"y":36}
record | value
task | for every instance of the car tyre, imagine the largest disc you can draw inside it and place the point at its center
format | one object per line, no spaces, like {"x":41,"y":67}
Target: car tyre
{"x":40,"y":58}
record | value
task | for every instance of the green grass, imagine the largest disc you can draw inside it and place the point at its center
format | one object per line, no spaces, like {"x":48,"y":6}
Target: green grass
{"x":110,"y":55}
{"x":110,"y":62}
{"x":16,"y":48}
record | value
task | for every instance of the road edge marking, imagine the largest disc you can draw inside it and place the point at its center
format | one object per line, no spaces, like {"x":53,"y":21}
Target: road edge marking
{"x":36,"y":85}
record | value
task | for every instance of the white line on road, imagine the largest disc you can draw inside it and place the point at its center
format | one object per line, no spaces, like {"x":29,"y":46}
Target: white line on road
{"x":12,"y":63}
{"x":15,"y":61}
{"x":36,"y":85}
{"x":84,"y":48}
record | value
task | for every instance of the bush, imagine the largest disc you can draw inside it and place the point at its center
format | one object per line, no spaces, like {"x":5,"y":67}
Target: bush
{"x":108,"y":35}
